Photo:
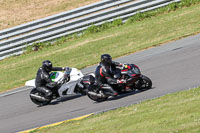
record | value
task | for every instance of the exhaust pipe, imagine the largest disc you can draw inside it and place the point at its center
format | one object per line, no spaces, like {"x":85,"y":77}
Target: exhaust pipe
{"x":95,"y":94}
{"x":39,"y":98}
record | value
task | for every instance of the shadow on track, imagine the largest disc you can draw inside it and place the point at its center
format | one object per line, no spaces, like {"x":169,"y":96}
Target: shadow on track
{"x":63,"y":99}
{"x":125,"y":94}
{"x":122,"y":95}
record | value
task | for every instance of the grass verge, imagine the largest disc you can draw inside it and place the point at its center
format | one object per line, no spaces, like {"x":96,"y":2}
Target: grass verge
{"x":177,"y":112}
{"x":86,"y":50}
{"x":15,"y":12}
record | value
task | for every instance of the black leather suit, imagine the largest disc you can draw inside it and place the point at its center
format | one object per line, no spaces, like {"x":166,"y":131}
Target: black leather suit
{"x":104,"y":76}
{"x":43,"y":82}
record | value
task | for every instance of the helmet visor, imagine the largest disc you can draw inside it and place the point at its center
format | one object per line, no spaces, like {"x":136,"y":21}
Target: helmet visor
{"x":108,"y":61}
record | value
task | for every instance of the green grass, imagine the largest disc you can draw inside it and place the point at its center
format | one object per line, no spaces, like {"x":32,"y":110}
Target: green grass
{"x":177,"y":112}
{"x":86,"y":50}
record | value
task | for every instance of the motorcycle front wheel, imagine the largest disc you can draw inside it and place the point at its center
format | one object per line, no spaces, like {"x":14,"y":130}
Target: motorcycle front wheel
{"x":37,"y":101}
{"x":144,"y":83}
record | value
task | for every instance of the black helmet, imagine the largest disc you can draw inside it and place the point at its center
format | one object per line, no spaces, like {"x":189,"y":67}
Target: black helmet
{"x":106,"y":59}
{"x":47,"y":65}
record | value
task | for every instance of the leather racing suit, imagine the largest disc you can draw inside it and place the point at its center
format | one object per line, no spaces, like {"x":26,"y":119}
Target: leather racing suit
{"x":43,"y":82}
{"x":104,"y":76}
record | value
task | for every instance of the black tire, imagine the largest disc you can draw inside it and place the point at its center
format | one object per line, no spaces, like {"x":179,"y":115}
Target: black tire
{"x":144,"y":83}
{"x":37,"y":102}
{"x":97,"y":99}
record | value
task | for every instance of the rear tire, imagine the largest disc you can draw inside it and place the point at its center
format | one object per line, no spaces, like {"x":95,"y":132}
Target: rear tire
{"x":37,"y":102}
{"x":97,"y":99}
{"x":144,"y":83}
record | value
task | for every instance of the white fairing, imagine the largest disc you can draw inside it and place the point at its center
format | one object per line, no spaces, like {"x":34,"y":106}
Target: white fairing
{"x":58,"y":76}
{"x":92,"y":74}
{"x":75,"y":76}
{"x":30,"y":83}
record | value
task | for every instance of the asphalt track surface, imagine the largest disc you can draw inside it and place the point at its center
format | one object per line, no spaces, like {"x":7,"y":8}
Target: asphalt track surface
{"x":172,"y":67}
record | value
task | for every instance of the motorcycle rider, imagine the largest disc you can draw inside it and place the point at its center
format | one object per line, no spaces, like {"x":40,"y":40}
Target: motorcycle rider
{"x":104,"y":74}
{"x":43,"y":82}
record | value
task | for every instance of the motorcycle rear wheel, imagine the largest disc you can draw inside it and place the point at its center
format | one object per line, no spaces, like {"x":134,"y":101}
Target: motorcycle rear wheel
{"x":97,"y":99}
{"x":37,"y":102}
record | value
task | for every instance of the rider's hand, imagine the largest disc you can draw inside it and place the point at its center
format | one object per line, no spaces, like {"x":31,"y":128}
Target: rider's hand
{"x":126,"y":66}
{"x":68,"y":69}
{"x":123,"y":66}
{"x":65,"y":68}
{"x":121,"y":81}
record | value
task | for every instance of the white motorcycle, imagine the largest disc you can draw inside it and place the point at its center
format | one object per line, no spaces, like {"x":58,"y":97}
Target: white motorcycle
{"x":70,"y":82}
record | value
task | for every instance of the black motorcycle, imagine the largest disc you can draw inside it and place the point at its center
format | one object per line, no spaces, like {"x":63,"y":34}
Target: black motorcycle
{"x":130,"y":73}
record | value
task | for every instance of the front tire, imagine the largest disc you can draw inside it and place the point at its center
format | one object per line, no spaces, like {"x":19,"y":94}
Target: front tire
{"x":144,"y":83}
{"x":38,"y":102}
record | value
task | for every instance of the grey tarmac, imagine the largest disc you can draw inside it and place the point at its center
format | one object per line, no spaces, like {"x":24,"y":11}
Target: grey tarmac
{"x":173,"y":67}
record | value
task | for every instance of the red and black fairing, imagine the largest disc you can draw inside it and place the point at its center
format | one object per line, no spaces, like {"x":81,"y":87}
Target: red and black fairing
{"x":131,"y":73}
{"x":83,"y":85}
{"x":87,"y":80}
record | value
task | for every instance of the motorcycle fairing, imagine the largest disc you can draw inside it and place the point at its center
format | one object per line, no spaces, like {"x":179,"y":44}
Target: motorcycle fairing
{"x":68,"y":88}
{"x":30,"y":83}
{"x":56,"y":76}
{"x":75,"y":74}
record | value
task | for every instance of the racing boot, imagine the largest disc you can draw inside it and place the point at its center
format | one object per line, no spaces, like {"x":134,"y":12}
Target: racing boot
{"x":109,"y":90}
